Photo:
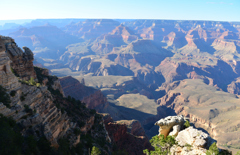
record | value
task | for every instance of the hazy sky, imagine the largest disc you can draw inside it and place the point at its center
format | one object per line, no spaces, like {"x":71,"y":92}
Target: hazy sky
{"x":220,"y":10}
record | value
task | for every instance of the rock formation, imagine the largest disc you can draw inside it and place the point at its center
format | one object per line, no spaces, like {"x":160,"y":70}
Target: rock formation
{"x":54,"y":123}
{"x":127,"y":135}
{"x":7,"y":78}
{"x":192,"y":137}
{"x":21,"y":62}
{"x":169,"y":123}
{"x":189,"y":141}
{"x":40,"y":110}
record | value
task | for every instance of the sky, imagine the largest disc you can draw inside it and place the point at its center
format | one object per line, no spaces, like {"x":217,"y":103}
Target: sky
{"x":217,"y":10}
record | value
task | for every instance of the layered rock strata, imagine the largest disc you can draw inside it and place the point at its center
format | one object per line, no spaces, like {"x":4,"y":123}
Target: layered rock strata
{"x":34,"y":108}
{"x":7,"y":78}
{"x":21,"y":62}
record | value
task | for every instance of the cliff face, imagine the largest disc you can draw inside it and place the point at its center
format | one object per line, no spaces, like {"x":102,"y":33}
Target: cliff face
{"x":46,"y":118}
{"x":7,"y":78}
{"x":41,"y":110}
{"x":94,"y":99}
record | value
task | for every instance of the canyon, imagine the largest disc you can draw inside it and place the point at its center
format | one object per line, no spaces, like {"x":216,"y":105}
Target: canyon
{"x":141,"y":70}
{"x":36,"y":101}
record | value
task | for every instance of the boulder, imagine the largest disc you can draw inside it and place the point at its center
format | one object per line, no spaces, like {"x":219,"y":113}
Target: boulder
{"x":176,"y":129}
{"x":166,"y":125}
{"x":193,"y":137}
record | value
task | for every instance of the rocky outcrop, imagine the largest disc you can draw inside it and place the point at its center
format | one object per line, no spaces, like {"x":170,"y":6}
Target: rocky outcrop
{"x":7,"y":78}
{"x":189,"y":141}
{"x":95,"y":101}
{"x":187,"y":150}
{"x":192,"y":137}
{"x":127,"y":135}
{"x":169,"y":123}
{"x":134,"y":127}
{"x":55,"y":124}
{"x":21,"y":62}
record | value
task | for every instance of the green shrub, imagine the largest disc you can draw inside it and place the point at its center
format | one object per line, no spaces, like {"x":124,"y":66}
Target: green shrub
{"x":213,"y":150}
{"x":161,"y":145}
{"x":38,"y":85}
{"x":31,"y":81}
{"x":13,"y":93}
{"x":22,"y":97}
{"x":95,"y":151}
{"x":28,"y":109}
{"x":187,"y":124}
{"x":4,"y":97}
{"x":188,"y":146}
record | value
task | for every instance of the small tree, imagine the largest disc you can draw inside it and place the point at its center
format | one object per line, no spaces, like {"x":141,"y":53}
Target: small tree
{"x":95,"y":151}
{"x":213,"y":149}
{"x":161,"y":145}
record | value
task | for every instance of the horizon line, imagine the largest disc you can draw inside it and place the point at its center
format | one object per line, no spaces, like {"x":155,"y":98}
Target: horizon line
{"x":124,"y":19}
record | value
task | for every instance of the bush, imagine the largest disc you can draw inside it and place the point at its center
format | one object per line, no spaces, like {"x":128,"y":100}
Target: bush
{"x":31,"y":81}
{"x":22,"y":98}
{"x":161,"y":145}
{"x":213,"y":150}
{"x":95,"y":151}
{"x":187,"y":124}
{"x":4,"y":97}
{"x":13,"y":93}
{"x":28,"y":109}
